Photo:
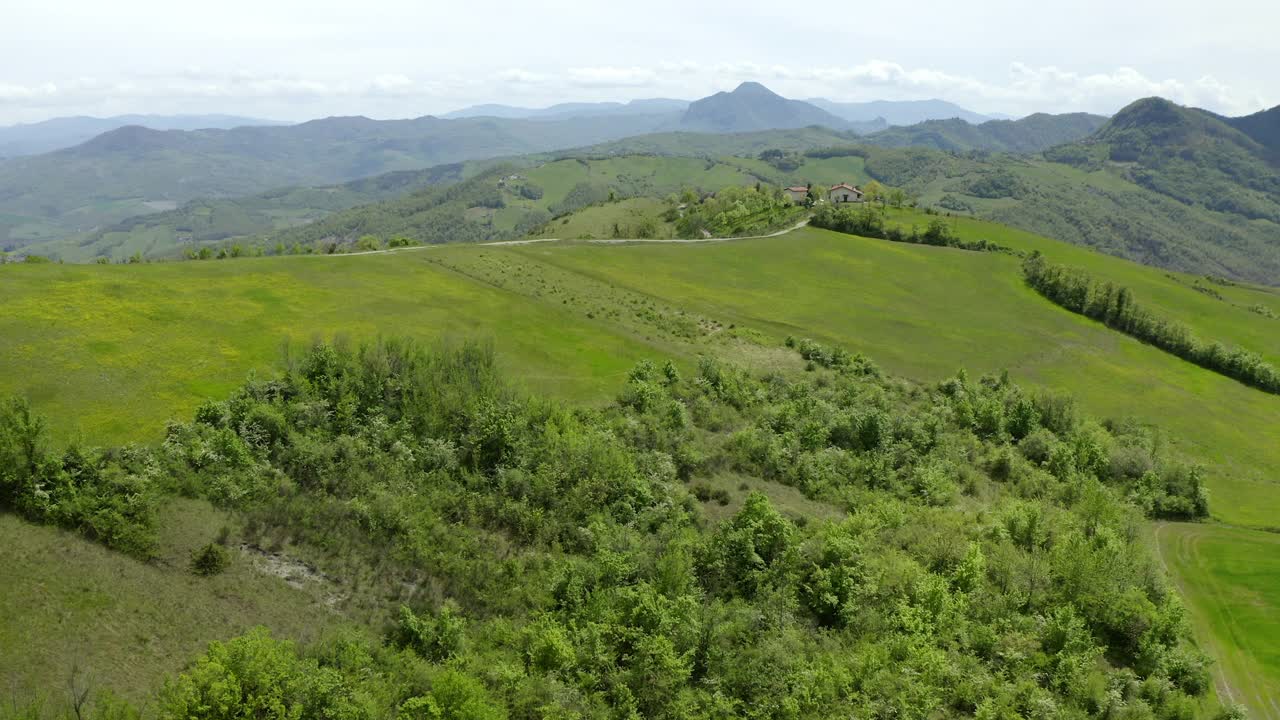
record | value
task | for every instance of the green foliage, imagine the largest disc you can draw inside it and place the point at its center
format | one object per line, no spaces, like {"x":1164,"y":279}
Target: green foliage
{"x":867,"y":221}
{"x":210,"y":560}
{"x":738,"y":211}
{"x":108,"y":496}
{"x":594,"y":586}
{"x":436,"y":637}
{"x":1115,"y":306}
{"x":257,"y":676}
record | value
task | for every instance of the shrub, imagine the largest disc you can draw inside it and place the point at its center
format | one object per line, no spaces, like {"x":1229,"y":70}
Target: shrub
{"x":210,"y":560}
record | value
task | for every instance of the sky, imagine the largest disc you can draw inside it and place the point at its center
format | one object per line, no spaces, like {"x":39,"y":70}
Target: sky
{"x":293,"y":60}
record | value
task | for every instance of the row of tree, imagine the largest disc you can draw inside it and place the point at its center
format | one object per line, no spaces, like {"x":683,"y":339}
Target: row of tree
{"x":1115,"y":306}
{"x":866,"y":221}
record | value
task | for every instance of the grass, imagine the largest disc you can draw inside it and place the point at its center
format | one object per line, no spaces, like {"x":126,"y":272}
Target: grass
{"x":109,"y":353}
{"x":925,"y":312}
{"x":123,"y":624}
{"x":599,"y":221}
{"x":1172,"y":294}
{"x":1231,"y":578}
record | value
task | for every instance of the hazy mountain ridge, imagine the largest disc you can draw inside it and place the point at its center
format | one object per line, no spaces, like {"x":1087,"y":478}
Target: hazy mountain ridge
{"x":900,"y":112}
{"x":647,"y":106}
{"x":63,"y":132}
{"x":1032,"y":134}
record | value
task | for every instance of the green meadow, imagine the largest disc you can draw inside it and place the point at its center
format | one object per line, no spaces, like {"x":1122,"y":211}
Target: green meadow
{"x":924,"y":312}
{"x":1231,"y":578}
{"x":109,"y":353}
{"x":119,"y":623}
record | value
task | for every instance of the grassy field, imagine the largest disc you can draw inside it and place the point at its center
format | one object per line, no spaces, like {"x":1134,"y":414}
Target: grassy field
{"x":924,"y":312}
{"x":1224,"y":311}
{"x":600,"y":221}
{"x":124,"y":624}
{"x":109,"y":353}
{"x":1231,"y":578}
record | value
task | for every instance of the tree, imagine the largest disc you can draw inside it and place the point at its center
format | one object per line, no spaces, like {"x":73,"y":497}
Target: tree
{"x":897,"y":197}
{"x":873,"y":192}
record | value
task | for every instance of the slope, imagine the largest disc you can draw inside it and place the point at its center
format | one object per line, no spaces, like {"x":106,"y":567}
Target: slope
{"x":923,"y":311}
{"x":1031,"y":134}
{"x":63,"y":132}
{"x":153,"y":170}
{"x":899,"y":112}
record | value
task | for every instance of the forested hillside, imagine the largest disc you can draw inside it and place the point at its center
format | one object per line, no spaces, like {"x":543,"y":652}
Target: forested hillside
{"x":1032,"y":134}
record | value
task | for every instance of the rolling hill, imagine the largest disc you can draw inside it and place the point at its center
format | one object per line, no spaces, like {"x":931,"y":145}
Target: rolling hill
{"x":899,"y":112}
{"x":649,"y":106}
{"x":1032,"y":134}
{"x":61,"y":193}
{"x":57,"y":133}
{"x":1190,"y":155}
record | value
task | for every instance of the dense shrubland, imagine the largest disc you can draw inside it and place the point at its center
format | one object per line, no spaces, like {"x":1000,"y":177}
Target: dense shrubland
{"x":989,"y":559}
{"x":1115,"y":306}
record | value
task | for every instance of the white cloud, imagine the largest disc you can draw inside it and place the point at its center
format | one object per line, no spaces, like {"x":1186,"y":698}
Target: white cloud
{"x":1023,"y":89}
{"x":517,"y":76}
{"x":611,"y":77}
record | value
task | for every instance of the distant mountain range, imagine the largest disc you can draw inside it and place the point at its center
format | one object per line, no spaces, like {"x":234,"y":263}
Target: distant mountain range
{"x":652,"y":106}
{"x":64,"y":132}
{"x":152,"y":169}
{"x":901,"y":112}
{"x":1186,"y":156}
{"x":891,"y":112}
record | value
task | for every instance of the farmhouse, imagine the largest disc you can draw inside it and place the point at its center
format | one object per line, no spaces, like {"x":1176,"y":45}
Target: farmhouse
{"x":844,"y":193}
{"x":798,"y":193}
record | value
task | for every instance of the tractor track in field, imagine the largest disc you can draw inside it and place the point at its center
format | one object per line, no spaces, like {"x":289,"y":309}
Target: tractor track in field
{"x":1188,"y":536}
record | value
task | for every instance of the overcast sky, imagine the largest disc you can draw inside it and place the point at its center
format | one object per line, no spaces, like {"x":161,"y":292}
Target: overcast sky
{"x":294,"y":60}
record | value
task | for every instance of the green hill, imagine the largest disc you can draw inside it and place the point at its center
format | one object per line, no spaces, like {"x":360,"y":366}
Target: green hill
{"x":151,"y":169}
{"x":1189,"y":155}
{"x":1263,"y":127}
{"x":212,"y":222}
{"x":1031,"y":134}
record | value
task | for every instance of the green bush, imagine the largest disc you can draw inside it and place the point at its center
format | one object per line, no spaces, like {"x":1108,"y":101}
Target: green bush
{"x":210,"y":560}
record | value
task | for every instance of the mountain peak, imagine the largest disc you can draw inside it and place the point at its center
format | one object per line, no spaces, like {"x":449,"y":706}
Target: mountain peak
{"x":753,"y":88}
{"x":129,"y":138}
{"x":752,"y":106}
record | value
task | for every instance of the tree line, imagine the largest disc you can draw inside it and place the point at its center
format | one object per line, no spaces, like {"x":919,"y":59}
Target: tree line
{"x":1114,"y":306}
{"x":866,"y":221}
{"x":982,"y":555}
